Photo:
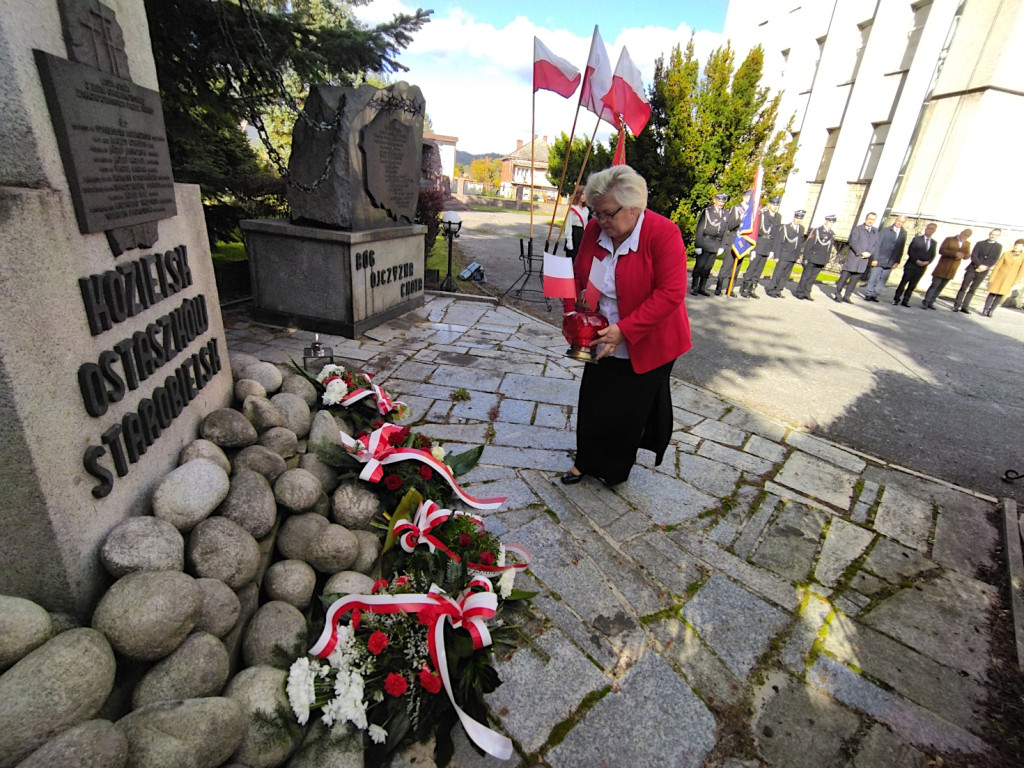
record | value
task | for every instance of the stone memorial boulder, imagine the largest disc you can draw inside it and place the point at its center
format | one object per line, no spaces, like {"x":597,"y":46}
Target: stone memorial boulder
{"x":290,"y":581}
{"x":281,"y":441}
{"x":297,"y":416}
{"x":267,"y":374}
{"x":221,"y":607}
{"x":261,"y":413}
{"x":198,"y":733}
{"x":326,"y":747}
{"x":250,"y":503}
{"x":322,"y":505}
{"x":260,"y":459}
{"x":333,"y":549}
{"x":369,"y":551}
{"x":297,"y":533}
{"x":147,"y":614}
{"x":196,"y":669}
{"x":355,"y":506}
{"x":143,"y":544}
{"x":190,"y":493}
{"x":297,"y":490}
{"x":92,"y":744}
{"x":349,"y":582}
{"x":326,"y":474}
{"x":24,"y":626}
{"x":248,"y":388}
{"x":276,"y":636}
{"x":272,"y":733}
{"x":40,"y":697}
{"x":228,"y":428}
{"x":204,"y":449}
{"x":239,"y":361}
{"x":222,"y":549}
{"x":294,"y":384}
{"x":324,"y":429}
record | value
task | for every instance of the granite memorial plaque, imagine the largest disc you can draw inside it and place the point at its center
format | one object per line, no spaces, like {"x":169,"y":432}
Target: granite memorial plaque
{"x":111,"y":136}
{"x":391,"y":181}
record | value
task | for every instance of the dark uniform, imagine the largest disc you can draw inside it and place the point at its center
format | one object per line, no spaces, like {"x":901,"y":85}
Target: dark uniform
{"x":817,"y":249}
{"x":712,"y":226}
{"x":768,"y":225}
{"x":735,"y":221}
{"x":786,"y":244}
{"x":985,"y":255}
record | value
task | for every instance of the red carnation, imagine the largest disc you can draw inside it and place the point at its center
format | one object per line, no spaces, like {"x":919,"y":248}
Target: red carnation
{"x":426,"y":472}
{"x":395,"y":684}
{"x":402,"y":435}
{"x":465,"y":539}
{"x":378,"y":586}
{"x":392,"y":482}
{"x":487,"y":558}
{"x":377,"y":643}
{"x":430,"y":682}
{"x":403,"y":579}
{"x":376,"y":424}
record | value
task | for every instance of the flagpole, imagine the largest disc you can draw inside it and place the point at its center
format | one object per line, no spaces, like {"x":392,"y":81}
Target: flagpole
{"x":561,"y":181}
{"x":533,"y":136}
{"x":579,"y":176}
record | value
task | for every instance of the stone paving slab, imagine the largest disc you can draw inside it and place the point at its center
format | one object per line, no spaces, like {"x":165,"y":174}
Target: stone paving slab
{"x":668,"y":501}
{"x":818,"y":479}
{"x":791,"y":545}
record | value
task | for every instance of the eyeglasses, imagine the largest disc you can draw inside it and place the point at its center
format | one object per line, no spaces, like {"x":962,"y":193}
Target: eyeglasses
{"x":607,"y":216}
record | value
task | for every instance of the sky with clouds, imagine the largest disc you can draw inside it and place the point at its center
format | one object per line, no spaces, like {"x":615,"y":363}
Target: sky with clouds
{"x":474,"y":59}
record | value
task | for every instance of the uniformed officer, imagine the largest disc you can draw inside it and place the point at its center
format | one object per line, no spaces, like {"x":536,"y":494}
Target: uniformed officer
{"x":786,"y":245}
{"x":729,"y":256}
{"x":818,"y":249}
{"x":712,"y":226}
{"x":769,"y":223}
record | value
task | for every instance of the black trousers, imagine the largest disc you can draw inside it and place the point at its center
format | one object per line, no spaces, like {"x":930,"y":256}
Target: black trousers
{"x":754,"y":270}
{"x":703,"y":263}
{"x":725,"y":271}
{"x":847,"y":282}
{"x":807,"y":279}
{"x":911,"y":275}
{"x":938,"y":283}
{"x":972,"y":279}
{"x":783,"y":269}
{"x":620,"y":411}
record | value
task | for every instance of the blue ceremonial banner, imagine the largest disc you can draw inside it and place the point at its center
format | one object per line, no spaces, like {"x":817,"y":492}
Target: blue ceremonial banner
{"x":746,"y":238}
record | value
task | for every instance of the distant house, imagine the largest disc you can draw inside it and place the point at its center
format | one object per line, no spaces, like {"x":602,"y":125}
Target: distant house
{"x":516,"y":171}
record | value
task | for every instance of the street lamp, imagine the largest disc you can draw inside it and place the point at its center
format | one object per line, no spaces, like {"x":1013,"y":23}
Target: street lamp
{"x":451,"y":223}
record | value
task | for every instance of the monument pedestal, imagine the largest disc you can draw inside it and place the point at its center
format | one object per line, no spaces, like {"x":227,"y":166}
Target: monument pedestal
{"x":331,"y":281}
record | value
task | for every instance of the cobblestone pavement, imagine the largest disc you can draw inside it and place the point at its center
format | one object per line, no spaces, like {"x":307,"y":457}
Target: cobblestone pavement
{"x":763,"y":598}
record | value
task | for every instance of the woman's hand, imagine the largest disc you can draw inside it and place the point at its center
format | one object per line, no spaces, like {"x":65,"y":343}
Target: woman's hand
{"x":608,"y":340}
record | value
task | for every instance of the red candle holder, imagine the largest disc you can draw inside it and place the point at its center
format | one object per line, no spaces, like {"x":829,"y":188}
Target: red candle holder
{"x":580,"y":329}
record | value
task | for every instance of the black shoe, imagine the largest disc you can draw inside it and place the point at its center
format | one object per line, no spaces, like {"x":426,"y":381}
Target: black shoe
{"x":965,"y":310}
{"x":752,"y":295}
{"x":837,"y":297}
{"x":924,"y":306}
{"x":895,"y":302}
{"x":693,"y":291}
{"x":956,"y":308}
{"x":904,"y":303}
{"x":702,"y":292}
{"x":718,"y":291}
{"x":871,"y":298}
{"x":930,"y":306}
{"x":570,"y":479}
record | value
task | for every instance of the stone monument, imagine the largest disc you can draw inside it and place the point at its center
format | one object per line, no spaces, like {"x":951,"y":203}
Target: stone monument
{"x":351,"y":257}
{"x":112,"y":347}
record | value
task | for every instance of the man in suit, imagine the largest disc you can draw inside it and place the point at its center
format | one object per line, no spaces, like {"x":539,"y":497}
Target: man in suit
{"x":817,"y":251}
{"x":712,"y":227}
{"x":862,"y":247}
{"x":725,"y":272}
{"x":769,"y":222}
{"x":920,"y":253}
{"x":952,"y":251}
{"x":891,"y":244}
{"x":786,"y":245}
{"x":983,"y":258}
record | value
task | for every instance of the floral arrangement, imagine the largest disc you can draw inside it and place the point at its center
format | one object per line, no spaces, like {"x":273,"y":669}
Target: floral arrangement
{"x":415,"y":656}
{"x":354,"y":391}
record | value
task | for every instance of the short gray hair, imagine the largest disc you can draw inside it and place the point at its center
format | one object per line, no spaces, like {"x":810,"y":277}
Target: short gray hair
{"x":621,"y":183}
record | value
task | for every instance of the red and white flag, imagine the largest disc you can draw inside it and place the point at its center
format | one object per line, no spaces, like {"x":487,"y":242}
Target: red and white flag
{"x":553,"y":73}
{"x":559,"y":282}
{"x":626,"y":96}
{"x":597,"y":80}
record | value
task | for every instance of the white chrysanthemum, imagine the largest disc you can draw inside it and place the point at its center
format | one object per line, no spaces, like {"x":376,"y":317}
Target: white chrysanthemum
{"x":329,"y":370}
{"x":340,"y":657}
{"x":300,"y":690}
{"x":508,"y":578}
{"x":377,"y":734}
{"x":437,"y":452}
{"x":501,"y":556}
{"x":334,"y":392}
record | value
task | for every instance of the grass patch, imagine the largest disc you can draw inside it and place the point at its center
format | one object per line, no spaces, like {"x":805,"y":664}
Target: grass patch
{"x":560,"y":731}
{"x":228,"y":252}
{"x":461,"y":394}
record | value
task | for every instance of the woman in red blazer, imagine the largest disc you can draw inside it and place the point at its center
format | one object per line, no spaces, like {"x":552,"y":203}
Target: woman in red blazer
{"x":625,"y":401}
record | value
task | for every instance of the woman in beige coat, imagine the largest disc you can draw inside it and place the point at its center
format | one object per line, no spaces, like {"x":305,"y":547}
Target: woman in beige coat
{"x":1005,"y":274}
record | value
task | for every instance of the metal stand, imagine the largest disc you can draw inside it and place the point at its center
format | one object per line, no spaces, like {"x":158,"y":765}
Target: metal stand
{"x":533,"y":265}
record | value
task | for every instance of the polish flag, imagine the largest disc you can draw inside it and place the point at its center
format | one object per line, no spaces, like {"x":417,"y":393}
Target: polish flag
{"x":553,"y":73}
{"x":626,"y":96}
{"x":559,"y":282}
{"x":597,"y":80}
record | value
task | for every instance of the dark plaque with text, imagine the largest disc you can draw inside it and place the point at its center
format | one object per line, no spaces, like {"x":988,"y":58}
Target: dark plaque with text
{"x":392,"y":150}
{"x":112,"y":140}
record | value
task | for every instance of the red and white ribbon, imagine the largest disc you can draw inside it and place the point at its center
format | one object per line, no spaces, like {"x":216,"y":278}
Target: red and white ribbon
{"x":385,"y":404}
{"x":471,"y":610}
{"x":375,"y":451}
